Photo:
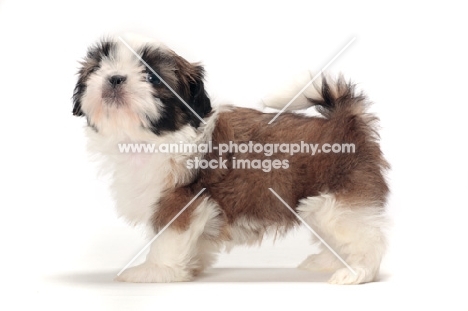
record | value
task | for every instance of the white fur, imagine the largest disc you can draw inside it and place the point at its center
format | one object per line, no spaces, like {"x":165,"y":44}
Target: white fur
{"x":138,"y":179}
{"x":176,"y":256}
{"x":355,"y":234}
{"x":282,"y":95}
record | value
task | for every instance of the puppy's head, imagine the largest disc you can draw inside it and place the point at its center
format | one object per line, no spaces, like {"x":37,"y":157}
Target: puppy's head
{"x":154,"y":91}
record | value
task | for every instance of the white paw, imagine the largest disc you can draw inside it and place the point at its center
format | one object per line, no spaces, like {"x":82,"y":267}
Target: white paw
{"x":319,"y":263}
{"x":150,"y":273}
{"x":345,"y":276}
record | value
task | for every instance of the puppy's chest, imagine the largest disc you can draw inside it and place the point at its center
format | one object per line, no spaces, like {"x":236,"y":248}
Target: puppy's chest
{"x":138,"y":181}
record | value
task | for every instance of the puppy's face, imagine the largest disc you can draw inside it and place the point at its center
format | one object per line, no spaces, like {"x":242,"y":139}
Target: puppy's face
{"x":119,"y":94}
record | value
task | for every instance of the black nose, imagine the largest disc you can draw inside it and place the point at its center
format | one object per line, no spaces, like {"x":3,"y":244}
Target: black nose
{"x":116,"y":80}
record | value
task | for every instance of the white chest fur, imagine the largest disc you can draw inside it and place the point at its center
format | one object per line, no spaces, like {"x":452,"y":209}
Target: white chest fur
{"x":140,"y":179}
{"x":137,"y":183}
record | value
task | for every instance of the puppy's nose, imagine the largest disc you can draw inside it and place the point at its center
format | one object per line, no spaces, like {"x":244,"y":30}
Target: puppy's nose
{"x":116,"y":80}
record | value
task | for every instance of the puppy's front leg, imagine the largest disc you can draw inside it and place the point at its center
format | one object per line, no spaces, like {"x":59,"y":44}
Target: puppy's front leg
{"x":186,"y":247}
{"x":169,"y":259}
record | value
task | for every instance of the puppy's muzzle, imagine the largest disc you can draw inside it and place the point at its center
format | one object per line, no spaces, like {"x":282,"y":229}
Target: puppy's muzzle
{"x":117,"y":80}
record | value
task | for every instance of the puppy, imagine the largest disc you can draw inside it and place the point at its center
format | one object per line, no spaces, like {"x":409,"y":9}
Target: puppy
{"x":141,"y":92}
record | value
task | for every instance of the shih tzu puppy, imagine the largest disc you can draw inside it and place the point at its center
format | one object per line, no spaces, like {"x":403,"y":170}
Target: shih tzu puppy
{"x":141,"y":92}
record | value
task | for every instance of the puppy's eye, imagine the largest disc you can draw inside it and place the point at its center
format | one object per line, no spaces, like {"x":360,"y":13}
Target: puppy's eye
{"x":152,"y":78}
{"x":94,"y":68}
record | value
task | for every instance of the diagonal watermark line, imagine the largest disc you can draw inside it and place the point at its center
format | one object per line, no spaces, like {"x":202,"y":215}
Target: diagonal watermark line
{"x":312,"y":81}
{"x":162,"y":80}
{"x":313,"y":231}
{"x":161,"y":231}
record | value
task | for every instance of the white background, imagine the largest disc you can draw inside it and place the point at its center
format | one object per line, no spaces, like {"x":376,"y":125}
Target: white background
{"x":61,"y":240}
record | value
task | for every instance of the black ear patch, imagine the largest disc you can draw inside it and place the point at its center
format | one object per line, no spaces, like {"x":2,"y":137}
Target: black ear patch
{"x":80,"y":88}
{"x":199,"y":100}
{"x":192,"y":89}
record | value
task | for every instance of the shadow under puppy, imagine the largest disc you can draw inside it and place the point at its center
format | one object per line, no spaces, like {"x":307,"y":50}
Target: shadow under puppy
{"x":341,"y":195}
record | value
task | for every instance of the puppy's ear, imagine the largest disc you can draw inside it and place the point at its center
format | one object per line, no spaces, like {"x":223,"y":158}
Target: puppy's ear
{"x":88,"y":66}
{"x":77,"y":94}
{"x":199,"y":100}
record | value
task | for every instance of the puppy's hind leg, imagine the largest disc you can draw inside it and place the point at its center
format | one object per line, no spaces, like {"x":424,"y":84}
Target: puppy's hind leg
{"x":177,"y":255}
{"x":355,"y":234}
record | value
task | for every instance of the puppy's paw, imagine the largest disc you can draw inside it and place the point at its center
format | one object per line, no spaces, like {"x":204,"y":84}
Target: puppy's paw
{"x":321,"y":262}
{"x":345,"y":276}
{"x":150,"y":273}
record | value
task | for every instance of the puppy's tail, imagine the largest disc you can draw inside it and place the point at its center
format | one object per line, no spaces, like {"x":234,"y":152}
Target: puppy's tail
{"x":332,"y":98}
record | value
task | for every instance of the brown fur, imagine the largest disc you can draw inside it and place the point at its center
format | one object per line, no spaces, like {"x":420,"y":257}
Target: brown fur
{"x":356,"y":179}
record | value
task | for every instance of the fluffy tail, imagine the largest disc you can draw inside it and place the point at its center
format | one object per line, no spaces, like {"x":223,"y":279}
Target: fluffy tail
{"x":331,"y":97}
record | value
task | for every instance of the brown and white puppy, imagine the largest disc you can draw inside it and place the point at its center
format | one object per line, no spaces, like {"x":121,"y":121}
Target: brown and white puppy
{"x":341,"y":195}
